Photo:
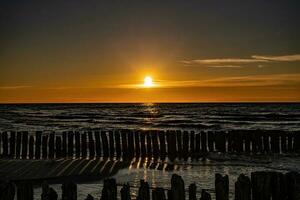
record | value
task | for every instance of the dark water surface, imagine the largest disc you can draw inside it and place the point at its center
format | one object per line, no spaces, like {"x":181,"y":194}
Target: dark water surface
{"x":188,"y":116}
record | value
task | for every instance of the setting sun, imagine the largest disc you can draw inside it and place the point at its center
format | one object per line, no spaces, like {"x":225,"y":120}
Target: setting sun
{"x":148,"y":82}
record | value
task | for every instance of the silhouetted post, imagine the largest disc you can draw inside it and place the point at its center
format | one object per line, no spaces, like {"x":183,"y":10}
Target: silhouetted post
{"x":137,"y":144}
{"x":91,"y":145}
{"x":240,"y":142}
{"x":210,"y":140}
{"x":89,"y":197}
{"x":7,"y":191}
{"x":261,"y":185}
{"x":24,"y":191}
{"x":158,"y":194}
{"x":111,"y":144}
{"x":149,"y":146}
{"x":109,"y":191}
{"x":247,"y":139}
{"x":44,"y":146}
{"x":118,"y":144}
{"x":203,"y":142}
{"x":171,"y":140}
{"x":130,"y":144}
{"x":83,"y":145}
{"x":192,"y":191}
{"x":70,"y":144}
{"x":185,"y":145}
{"x":162,"y":144}
{"x":283,"y":139}
{"x":69,"y":191}
{"x":77,"y":145}
{"x":144,"y":192}
{"x":275,"y":142}
{"x":278,"y":185}
{"x":222,"y":187}
{"x":297,"y":141}
{"x":243,"y":188}
{"x":124,"y":144}
{"x":12,"y":145}
{"x":38,"y":142}
{"x":192,"y":144}
{"x":177,"y":187}
{"x":58,"y":147}
{"x":31,"y":147}
{"x":51,"y":145}
{"x":64,"y":144}
{"x":179,"y":143}
{"x":4,"y":144}
{"x":48,"y":193}
{"x":205,"y":195}
{"x":104,"y":144}
{"x":125,"y":192}
{"x":292,"y":185}
{"x":143,"y":144}
{"x":98,"y":143}
{"x":18,"y":146}
{"x":24,"y":144}
{"x":154,"y":137}
{"x":266,"y":141}
{"x":198,"y":147}
{"x":290,"y":142}
{"x":220,"y":141}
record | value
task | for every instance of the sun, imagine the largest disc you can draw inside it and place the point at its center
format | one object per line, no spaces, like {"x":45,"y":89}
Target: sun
{"x":148,"y":81}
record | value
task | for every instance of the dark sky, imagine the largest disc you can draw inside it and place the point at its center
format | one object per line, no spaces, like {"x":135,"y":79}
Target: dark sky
{"x":74,"y":51}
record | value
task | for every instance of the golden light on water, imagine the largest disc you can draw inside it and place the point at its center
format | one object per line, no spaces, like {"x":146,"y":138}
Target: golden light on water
{"x":148,"y":82}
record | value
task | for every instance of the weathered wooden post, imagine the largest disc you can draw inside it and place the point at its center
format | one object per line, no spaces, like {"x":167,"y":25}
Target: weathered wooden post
{"x":51,"y":145}
{"x":198,"y":147}
{"x":278,"y":186}
{"x":162,"y":144}
{"x":185,"y":145}
{"x":124,"y":144}
{"x":192,"y":144}
{"x":64,"y":144}
{"x":297,"y":141}
{"x":222,"y":187}
{"x":290,"y":142}
{"x":266,"y":141}
{"x":98,"y":143}
{"x":143,"y":144}
{"x":104,"y":144}
{"x":31,"y":147}
{"x":111,"y":144}
{"x":69,"y":190}
{"x":220,"y":141}
{"x":83,"y":145}
{"x":283,"y":141}
{"x":137,"y":144}
{"x":171,"y":140}
{"x":91,"y":145}
{"x":149,"y":146}
{"x":243,"y":188}
{"x":205,"y":195}
{"x":203,"y":142}
{"x":109,"y":191}
{"x":292,"y":185}
{"x":154,"y":137}
{"x":210,"y":140}
{"x":261,"y":185}
{"x":18,"y":145}
{"x":7,"y":191}
{"x":44,"y":146}
{"x":4,"y":144}
{"x":192,"y":191}
{"x":158,"y":194}
{"x":24,"y":144}
{"x":38,"y":142}
{"x":24,"y":191}
{"x":130,"y":144}
{"x":77,"y":145}
{"x":118,"y":144}
{"x":48,"y":193}
{"x":70,"y":144}
{"x":144,"y":191}
{"x":247,"y":140}
{"x":58,"y":147}
{"x":179,"y":143}
{"x":125,"y":192}
{"x":12,"y":145}
{"x":177,"y":187}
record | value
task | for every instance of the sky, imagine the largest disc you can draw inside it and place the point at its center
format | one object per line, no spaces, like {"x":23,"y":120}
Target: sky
{"x":195,"y":51}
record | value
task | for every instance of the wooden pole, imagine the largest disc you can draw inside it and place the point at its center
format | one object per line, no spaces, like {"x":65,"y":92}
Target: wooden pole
{"x":38,"y":142}
{"x":51,"y":145}
{"x":18,"y":145}
{"x":118,"y":144}
{"x":31,"y":147}
{"x":91,"y":145}
{"x":24,"y":144}
{"x":70,"y":144}
{"x":44,"y":146}
{"x":77,"y":145}
{"x":12,"y":146}
{"x":58,"y":147}
{"x":222,"y":187}
{"x":83,"y":145}
{"x":98,"y":143}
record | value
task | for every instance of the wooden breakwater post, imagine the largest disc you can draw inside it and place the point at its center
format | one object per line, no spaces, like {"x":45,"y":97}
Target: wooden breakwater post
{"x":109,"y":191}
{"x":177,"y":188}
{"x":77,"y":145}
{"x":105,"y":146}
{"x":111,"y":144}
{"x":69,"y":190}
{"x":98,"y":144}
{"x":162,"y":144}
{"x":179,"y":144}
{"x":222,"y":187}
{"x":171,"y":144}
{"x":137,"y":144}
{"x":91,"y":145}
{"x":155,"y":145}
{"x":38,"y":143}
{"x":18,"y":145}
{"x":186,"y":145}
{"x":243,"y":188}
{"x":118,"y":144}
{"x":131,"y":150}
{"x":192,"y":191}
{"x":51,"y":145}
{"x":64,"y":144}
{"x":158,"y":194}
{"x":48,"y":193}
{"x":83,"y":145}
{"x":144,"y":191}
{"x":31,"y":147}
{"x":70,"y":144}
{"x":58,"y":147}
{"x":24,"y":191}
{"x":4,"y":144}
{"x":12,"y":145}
{"x":7,"y":191}
{"x":44,"y":146}
{"x":125,"y":192}
{"x":24,"y":144}
{"x":148,"y":144}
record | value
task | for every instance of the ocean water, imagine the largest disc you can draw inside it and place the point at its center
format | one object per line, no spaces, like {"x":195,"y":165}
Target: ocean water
{"x":183,"y":116}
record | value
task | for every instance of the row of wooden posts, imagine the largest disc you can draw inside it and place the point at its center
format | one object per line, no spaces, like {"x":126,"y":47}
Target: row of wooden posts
{"x":261,"y":186}
{"x":156,"y":144}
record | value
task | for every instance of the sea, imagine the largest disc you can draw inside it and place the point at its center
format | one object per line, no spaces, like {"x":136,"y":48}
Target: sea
{"x":164,"y":116}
